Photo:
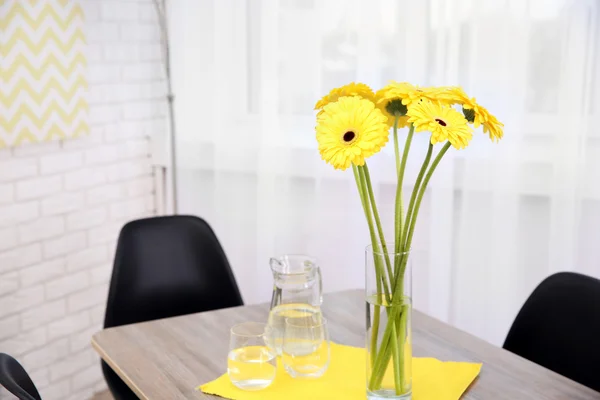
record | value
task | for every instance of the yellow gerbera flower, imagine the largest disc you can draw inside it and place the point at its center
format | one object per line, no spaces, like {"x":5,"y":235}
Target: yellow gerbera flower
{"x":444,"y":123}
{"x":389,"y":101}
{"x":394,"y":98}
{"x":479,"y":115}
{"x":349,"y":131}
{"x":473,"y":112}
{"x":351,"y":89}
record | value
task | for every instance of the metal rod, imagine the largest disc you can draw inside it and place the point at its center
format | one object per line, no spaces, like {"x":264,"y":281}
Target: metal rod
{"x":161,"y":12}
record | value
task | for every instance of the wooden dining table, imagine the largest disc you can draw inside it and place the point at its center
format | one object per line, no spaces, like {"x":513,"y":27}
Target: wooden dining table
{"x":169,"y":358}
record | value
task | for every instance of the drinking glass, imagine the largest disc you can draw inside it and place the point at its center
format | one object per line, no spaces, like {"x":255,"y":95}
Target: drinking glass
{"x":305,"y":351}
{"x":251,"y":365}
{"x":278,"y":315}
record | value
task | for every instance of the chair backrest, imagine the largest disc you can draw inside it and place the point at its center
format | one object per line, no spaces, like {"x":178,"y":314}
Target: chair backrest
{"x":559,"y":327}
{"x":16,"y":380}
{"x":168,"y":266}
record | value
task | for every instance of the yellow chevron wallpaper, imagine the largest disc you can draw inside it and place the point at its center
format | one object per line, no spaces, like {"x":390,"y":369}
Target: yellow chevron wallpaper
{"x":42,"y":71}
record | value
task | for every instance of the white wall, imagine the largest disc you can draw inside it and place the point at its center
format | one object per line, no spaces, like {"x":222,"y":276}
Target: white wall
{"x":62,"y":205}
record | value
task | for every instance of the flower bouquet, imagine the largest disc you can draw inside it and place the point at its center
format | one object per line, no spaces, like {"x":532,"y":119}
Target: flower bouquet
{"x":353,"y":123}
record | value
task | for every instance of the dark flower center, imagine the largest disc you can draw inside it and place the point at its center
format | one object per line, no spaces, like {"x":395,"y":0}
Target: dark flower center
{"x":349,"y":136}
{"x":441,"y":122}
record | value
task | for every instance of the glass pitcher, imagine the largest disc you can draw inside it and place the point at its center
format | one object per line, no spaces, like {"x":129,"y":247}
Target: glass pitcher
{"x":297,"y":293}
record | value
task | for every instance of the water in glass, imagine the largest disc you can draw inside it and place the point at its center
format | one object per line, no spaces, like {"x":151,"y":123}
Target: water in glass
{"x":277,"y":317}
{"x":305,"y":350}
{"x":251,"y":364}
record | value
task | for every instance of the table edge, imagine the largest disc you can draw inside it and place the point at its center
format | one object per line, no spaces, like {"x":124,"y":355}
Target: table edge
{"x":105,"y":357}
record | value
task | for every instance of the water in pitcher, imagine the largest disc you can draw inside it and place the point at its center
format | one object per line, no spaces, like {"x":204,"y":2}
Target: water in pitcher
{"x":251,"y":367}
{"x":276,"y":325}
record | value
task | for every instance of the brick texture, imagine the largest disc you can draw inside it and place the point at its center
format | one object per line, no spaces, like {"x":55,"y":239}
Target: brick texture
{"x":62,"y":204}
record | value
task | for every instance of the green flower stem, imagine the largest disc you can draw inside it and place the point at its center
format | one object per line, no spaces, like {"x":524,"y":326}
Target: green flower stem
{"x":391,"y":338}
{"x":397,"y":357}
{"x":422,"y":190}
{"x":379,"y":271}
{"x":385,"y":349}
{"x":401,"y":335}
{"x":396,"y":146}
{"x":375,"y":333}
{"x":397,"y":221}
{"x":392,"y":344}
{"x":394,"y":337}
{"x":411,"y":204}
{"x":364,"y":201}
{"x":376,"y":248}
{"x":377,"y":221}
{"x":399,"y":209}
{"x":409,"y":220}
{"x":376,"y":308}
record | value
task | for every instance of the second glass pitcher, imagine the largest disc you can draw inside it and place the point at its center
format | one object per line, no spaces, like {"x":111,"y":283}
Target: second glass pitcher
{"x":297,"y":293}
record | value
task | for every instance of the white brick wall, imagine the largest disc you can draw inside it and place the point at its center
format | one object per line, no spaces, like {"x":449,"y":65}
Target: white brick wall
{"x":63,"y":203}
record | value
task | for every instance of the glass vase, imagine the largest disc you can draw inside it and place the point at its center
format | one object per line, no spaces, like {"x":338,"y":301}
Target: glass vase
{"x":389,"y":336}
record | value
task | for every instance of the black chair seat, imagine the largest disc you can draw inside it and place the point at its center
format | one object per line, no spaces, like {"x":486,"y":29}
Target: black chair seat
{"x":15,"y":379}
{"x":559,"y":327}
{"x":166,"y":267}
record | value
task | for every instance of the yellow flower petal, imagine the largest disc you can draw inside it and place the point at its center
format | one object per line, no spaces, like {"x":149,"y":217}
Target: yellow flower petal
{"x":351,"y":89}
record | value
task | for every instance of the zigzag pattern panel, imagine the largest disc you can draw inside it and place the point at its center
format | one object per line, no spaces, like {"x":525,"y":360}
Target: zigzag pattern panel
{"x":42,"y":71}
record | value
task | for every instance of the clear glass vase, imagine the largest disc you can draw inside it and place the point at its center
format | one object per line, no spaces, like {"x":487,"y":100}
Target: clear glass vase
{"x":389,"y":334}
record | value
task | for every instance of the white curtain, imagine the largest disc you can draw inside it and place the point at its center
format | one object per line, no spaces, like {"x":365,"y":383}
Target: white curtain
{"x":497,"y":218}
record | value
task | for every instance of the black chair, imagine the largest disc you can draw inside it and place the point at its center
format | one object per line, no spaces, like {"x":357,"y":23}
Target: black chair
{"x":165,"y":267}
{"x":16,"y":380}
{"x":559,"y":327}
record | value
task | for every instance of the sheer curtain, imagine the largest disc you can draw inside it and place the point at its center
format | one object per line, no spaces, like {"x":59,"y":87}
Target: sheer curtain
{"x":497,"y":218}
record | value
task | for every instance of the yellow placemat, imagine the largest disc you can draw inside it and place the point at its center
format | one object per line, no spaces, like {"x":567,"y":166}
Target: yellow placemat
{"x":345,"y":379}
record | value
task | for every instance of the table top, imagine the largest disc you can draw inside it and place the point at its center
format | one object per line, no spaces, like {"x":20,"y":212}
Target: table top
{"x":168,"y":358}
